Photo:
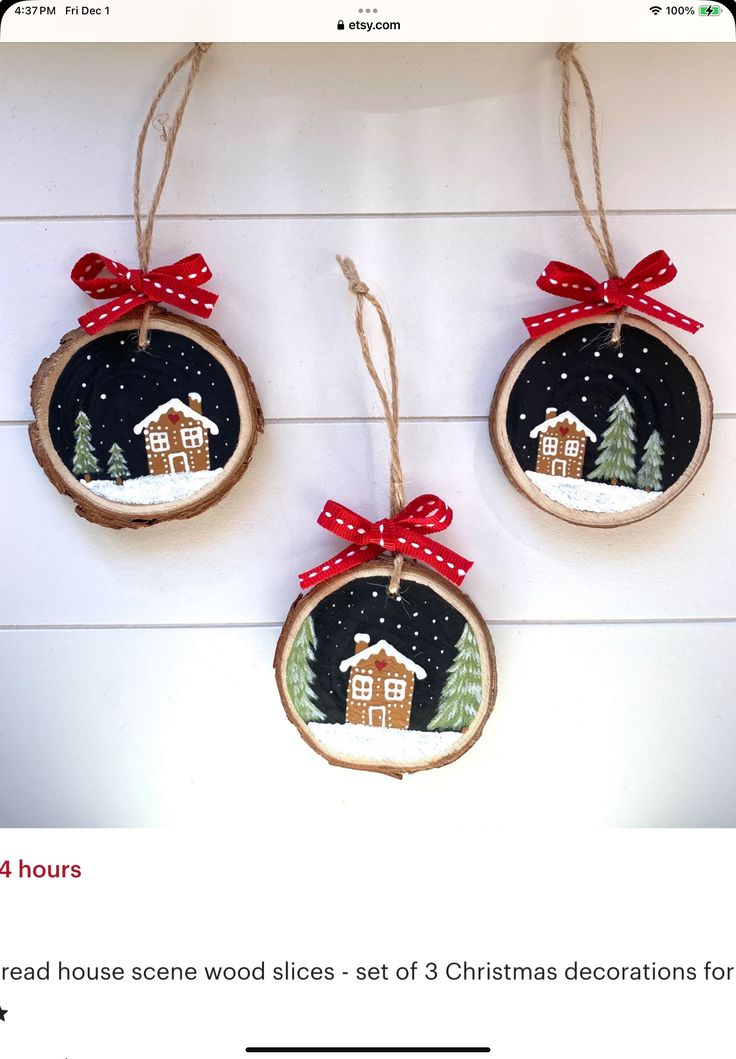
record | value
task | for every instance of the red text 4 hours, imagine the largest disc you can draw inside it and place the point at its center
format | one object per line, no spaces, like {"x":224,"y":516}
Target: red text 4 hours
{"x":22,"y":869}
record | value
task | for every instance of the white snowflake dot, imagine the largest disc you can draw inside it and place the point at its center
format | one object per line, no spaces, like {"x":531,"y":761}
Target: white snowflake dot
{"x":564,"y":375}
{"x":522,"y":416}
{"x":103,"y":396}
{"x":374,"y":594}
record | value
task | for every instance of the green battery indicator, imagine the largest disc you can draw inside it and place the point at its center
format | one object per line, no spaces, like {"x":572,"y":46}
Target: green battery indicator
{"x":709,"y":9}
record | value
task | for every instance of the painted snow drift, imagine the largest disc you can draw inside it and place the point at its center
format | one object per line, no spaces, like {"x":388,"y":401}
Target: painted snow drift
{"x":383,"y":678}
{"x":604,"y":427}
{"x":144,"y":426}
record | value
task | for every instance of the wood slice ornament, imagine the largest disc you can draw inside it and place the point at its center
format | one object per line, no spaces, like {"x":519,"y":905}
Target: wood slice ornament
{"x":143,"y":415}
{"x":139,"y":436}
{"x":383,"y":664}
{"x":602,"y":418}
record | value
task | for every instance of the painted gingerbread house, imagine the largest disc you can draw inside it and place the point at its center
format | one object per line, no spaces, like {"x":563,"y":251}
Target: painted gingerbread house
{"x":561,"y":444}
{"x":380,"y":684}
{"x":177,"y":436}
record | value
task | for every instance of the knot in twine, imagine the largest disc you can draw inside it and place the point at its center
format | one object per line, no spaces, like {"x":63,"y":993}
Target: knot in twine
{"x":350,"y":272}
{"x":564,"y":52}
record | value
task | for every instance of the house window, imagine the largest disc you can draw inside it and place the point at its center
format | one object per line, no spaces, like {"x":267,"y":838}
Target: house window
{"x":159,"y":442}
{"x":362,"y":687}
{"x":394,"y":689}
{"x":572,"y":447}
{"x":549,"y":446}
{"x":191,"y":437}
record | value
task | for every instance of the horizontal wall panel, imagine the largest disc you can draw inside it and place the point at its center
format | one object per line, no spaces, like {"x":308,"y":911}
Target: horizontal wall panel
{"x":456,"y":290}
{"x":593,"y":726}
{"x":348,"y":128}
{"x":238,"y":562}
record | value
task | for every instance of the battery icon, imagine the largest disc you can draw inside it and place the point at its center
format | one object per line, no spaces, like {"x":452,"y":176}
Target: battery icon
{"x":709,"y":9}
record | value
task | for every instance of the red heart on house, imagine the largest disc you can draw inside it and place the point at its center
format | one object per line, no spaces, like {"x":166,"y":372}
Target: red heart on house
{"x":564,"y":430}
{"x":174,"y":417}
{"x":380,"y":664}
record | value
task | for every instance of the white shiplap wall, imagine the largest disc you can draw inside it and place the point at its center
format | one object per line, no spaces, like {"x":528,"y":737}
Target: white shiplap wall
{"x":136,"y":667}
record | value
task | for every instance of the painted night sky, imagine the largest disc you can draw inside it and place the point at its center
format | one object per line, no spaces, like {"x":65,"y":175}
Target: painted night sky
{"x":417,"y":622}
{"x":117,"y":385}
{"x":581,"y":372}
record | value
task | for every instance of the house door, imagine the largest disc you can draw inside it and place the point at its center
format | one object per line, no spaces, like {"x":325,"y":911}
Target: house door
{"x":178,"y":461}
{"x":559,"y":467}
{"x":377,"y":716}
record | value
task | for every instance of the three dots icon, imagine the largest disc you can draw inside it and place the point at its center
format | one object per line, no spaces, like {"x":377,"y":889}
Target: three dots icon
{"x":361,"y":11}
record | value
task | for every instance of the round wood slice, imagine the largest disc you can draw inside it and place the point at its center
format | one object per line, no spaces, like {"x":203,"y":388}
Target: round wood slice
{"x":182,"y":418}
{"x":597,"y":433}
{"x":384,"y":683}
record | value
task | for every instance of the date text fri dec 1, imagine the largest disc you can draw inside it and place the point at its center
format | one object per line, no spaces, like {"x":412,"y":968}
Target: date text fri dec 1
{"x":71,"y":11}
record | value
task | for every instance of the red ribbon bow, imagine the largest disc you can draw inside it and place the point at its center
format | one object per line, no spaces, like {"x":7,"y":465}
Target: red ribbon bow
{"x":399,"y":534}
{"x":178,"y":285}
{"x":627,"y":292}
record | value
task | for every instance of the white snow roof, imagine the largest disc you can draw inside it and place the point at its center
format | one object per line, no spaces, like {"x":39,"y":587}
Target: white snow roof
{"x":175,"y":405}
{"x":558,"y":419}
{"x":375,"y":649}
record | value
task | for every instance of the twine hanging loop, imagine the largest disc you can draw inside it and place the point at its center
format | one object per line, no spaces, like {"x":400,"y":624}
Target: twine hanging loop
{"x":406,"y":532}
{"x":616,"y":293}
{"x":144,"y":228}
{"x":389,"y":399}
{"x":178,"y":284}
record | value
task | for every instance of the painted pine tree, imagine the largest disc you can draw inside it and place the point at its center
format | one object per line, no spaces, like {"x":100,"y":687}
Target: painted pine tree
{"x":460,"y":696}
{"x":300,"y":675}
{"x":616,"y":460}
{"x":85,"y":462}
{"x":117,"y":468}
{"x":649,"y":475}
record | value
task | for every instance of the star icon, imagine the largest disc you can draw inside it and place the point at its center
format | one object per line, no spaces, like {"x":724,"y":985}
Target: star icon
{"x":3,"y":1013}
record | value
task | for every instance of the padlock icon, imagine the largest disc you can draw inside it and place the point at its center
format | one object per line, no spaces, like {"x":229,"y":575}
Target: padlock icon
{"x":340,"y":24}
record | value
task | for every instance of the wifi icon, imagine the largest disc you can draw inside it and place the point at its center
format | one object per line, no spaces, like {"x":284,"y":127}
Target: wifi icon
{"x":655,"y":10}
